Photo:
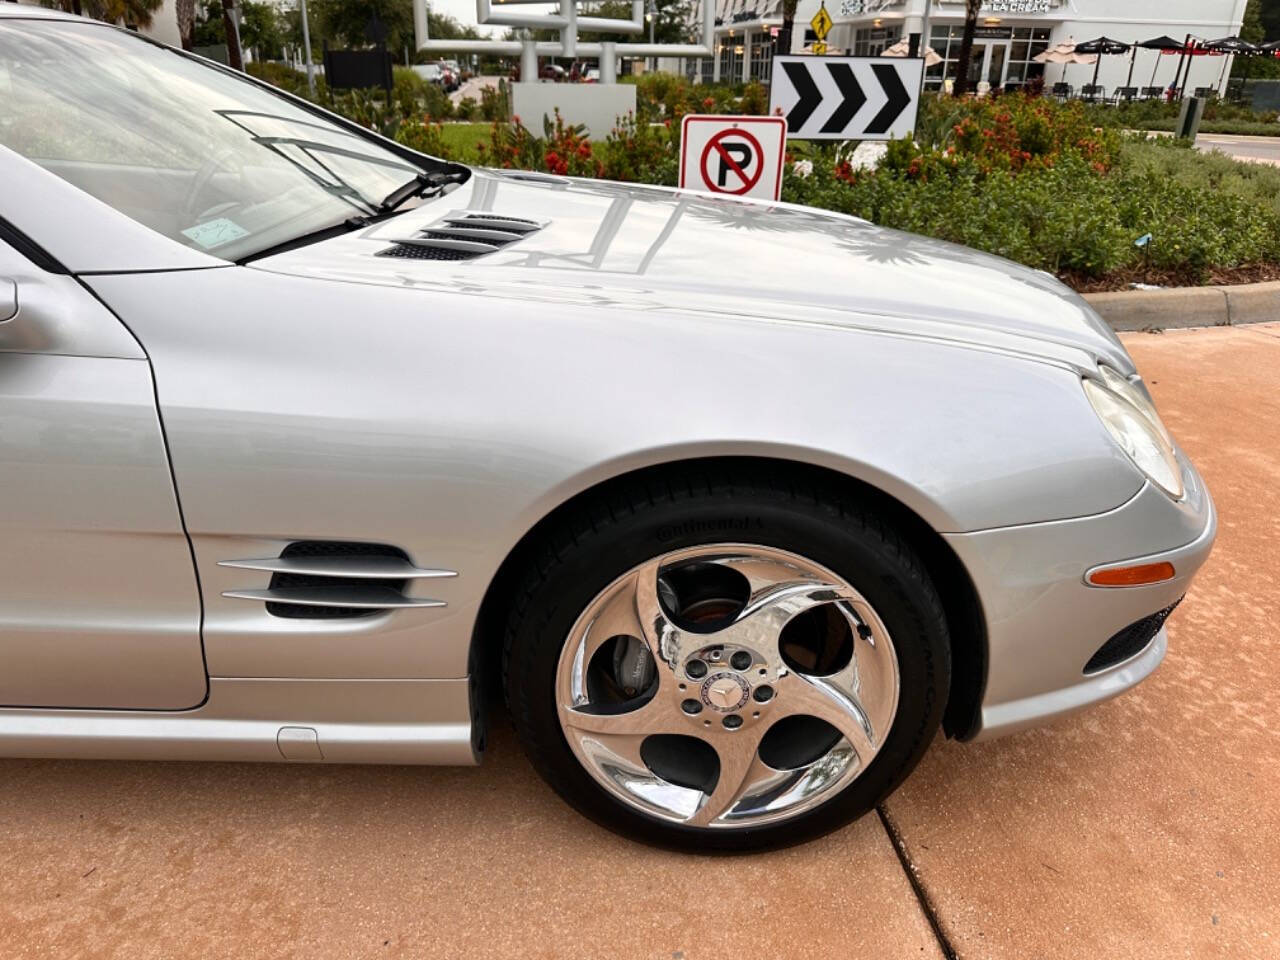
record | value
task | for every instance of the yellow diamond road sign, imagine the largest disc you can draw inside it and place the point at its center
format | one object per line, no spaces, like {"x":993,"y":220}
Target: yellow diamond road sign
{"x":821,"y":22}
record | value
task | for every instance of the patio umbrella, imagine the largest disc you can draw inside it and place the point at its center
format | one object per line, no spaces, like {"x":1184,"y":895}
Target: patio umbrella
{"x":1064,"y":53}
{"x":902,"y":48}
{"x":1103,"y":46}
{"x":1229,"y":45}
{"x":1164,"y":45}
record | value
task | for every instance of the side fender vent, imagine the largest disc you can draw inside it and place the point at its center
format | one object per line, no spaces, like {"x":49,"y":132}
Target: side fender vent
{"x":462,"y":236}
{"x":327,"y":580}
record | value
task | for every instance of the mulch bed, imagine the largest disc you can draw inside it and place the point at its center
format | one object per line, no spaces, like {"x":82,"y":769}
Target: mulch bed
{"x":1121,"y":279}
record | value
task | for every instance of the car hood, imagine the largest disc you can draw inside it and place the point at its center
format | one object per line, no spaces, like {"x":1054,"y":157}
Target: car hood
{"x":628,"y":247}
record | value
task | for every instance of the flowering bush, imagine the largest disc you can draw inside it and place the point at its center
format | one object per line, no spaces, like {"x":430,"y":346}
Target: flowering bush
{"x":424,"y":135}
{"x":1004,"y":133}
{"x":563,"y":149}
{"x":639,"y":152}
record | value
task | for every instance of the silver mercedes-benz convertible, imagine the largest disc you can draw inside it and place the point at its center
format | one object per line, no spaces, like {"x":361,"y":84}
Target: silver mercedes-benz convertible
{"x":309,"y":439}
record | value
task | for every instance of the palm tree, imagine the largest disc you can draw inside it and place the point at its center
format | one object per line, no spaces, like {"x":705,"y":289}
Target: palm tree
{"x":235,"y":58}
{"x":186,"y":12}
{"x":966,"y":46}
{"x":788,"y":22}
{"x":132,"y":13}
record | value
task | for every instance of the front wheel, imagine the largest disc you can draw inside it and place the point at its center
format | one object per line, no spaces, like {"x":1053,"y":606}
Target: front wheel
{"x":704,"y":691}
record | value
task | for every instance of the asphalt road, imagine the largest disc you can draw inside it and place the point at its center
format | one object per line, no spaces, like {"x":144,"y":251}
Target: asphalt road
{"x":1251,"y":149}
{"x":1147,"y":828}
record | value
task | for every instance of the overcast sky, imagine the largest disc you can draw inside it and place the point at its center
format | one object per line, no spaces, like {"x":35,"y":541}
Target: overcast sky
{"x":464,"y":11}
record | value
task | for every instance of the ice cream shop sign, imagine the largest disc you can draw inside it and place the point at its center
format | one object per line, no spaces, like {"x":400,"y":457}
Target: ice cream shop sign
{"x":1016,"y":6}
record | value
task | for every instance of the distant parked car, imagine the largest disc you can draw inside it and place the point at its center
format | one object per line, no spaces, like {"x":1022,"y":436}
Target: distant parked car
{"x":552,"y":72}
{"x":430,"y":72}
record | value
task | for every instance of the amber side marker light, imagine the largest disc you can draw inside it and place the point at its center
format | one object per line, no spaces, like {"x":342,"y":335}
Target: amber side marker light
{"x":1143,"y":573}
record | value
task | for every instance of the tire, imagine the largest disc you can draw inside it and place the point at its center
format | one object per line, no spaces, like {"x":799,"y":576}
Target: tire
{"x":772,"y":519}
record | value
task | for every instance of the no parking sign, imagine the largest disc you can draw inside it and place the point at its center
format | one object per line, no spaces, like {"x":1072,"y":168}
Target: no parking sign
{"x":734,"y":156}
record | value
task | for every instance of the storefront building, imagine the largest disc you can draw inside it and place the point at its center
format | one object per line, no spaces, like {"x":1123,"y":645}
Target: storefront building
{"x":746,"y":32}
{"x":1012,"y":32}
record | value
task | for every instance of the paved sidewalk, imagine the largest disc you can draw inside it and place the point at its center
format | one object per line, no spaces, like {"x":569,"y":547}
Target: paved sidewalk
{"x":1147,"y":828}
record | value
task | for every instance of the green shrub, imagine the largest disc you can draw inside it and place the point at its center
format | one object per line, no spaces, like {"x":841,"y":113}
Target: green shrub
{"x":494,"y":105}
{"x":426,"y":136}
{"x":640,"y":152}
{"x":279,"y":75}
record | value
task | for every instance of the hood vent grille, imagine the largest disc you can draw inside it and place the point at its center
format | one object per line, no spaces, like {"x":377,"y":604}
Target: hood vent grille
{"x":328,"y":580}
{"x":462,"y":236}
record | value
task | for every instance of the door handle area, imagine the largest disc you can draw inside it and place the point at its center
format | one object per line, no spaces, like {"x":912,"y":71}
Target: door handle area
{"x":8,"y":299}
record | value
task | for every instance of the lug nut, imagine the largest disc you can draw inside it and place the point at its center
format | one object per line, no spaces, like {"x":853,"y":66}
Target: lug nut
{"x":696,"y":669}
{"x":741,"y":660}
{"x":764,"y":693}
{"x":691,"y":707}
{"x":732,"y":722}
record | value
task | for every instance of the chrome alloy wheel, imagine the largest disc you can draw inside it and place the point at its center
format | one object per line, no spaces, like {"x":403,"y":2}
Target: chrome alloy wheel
{"x":727,"y":685}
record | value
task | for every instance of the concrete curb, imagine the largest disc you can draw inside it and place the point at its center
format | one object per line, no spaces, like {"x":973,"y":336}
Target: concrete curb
{"x":1188,"y":306}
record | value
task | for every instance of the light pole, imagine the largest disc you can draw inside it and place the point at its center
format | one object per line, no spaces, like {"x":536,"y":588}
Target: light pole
{"x":652,"y":16}
{"x":306,"y":46}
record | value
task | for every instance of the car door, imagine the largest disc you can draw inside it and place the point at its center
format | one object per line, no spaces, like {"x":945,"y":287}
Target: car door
{"x":99,"y":605}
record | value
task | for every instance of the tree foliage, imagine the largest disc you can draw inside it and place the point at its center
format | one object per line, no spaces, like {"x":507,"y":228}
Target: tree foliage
{"x":132,"y":13}
{"x":261,"y":27}
{"x":1255,"y":31}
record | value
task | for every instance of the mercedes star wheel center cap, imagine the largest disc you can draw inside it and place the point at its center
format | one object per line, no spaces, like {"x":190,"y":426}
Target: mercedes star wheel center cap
{"x":724,"y":692}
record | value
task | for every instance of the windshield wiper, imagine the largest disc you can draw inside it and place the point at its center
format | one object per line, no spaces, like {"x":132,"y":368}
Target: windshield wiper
{"x":302,"y":240}
{"x":419,"y":185}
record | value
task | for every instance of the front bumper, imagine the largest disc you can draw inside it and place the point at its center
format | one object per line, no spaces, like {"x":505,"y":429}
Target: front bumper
{"x":1044,"y":622}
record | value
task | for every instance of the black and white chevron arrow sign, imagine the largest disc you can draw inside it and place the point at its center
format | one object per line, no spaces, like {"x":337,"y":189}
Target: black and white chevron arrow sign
{"x":846,"y":98}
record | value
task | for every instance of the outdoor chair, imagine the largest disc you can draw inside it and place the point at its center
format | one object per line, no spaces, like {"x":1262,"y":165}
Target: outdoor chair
{"x":1208,"y":93}
{"x":1126,"y":94}
{"x":1153,"y":93}
{"x":1093,"y":92}
{"x":1062,"y":91}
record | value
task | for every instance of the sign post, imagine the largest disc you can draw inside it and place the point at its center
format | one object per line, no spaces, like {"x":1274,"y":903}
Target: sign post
{"x":733,"y":156}
{"x":846,"y":98}
{"x":821,"y":26}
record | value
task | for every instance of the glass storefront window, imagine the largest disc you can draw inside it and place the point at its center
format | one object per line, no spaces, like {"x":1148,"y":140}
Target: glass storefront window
{"x":1012,"y":54}
{"x":761,"y":55}
{"x":872,"y":41}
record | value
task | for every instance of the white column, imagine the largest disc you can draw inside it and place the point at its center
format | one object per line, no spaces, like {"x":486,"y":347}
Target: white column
{"x":528,"y":61}
{"x":746,"y":56}
{"x":608,"y":62}
{"x":569,"y":34}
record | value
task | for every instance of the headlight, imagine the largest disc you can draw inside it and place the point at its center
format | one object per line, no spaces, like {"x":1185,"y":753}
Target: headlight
{"x":1133,"y":423}
{"x":1137,"y":396}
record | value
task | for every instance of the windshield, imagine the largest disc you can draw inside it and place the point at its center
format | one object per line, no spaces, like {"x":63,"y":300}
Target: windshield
{"x":212,"y":161}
